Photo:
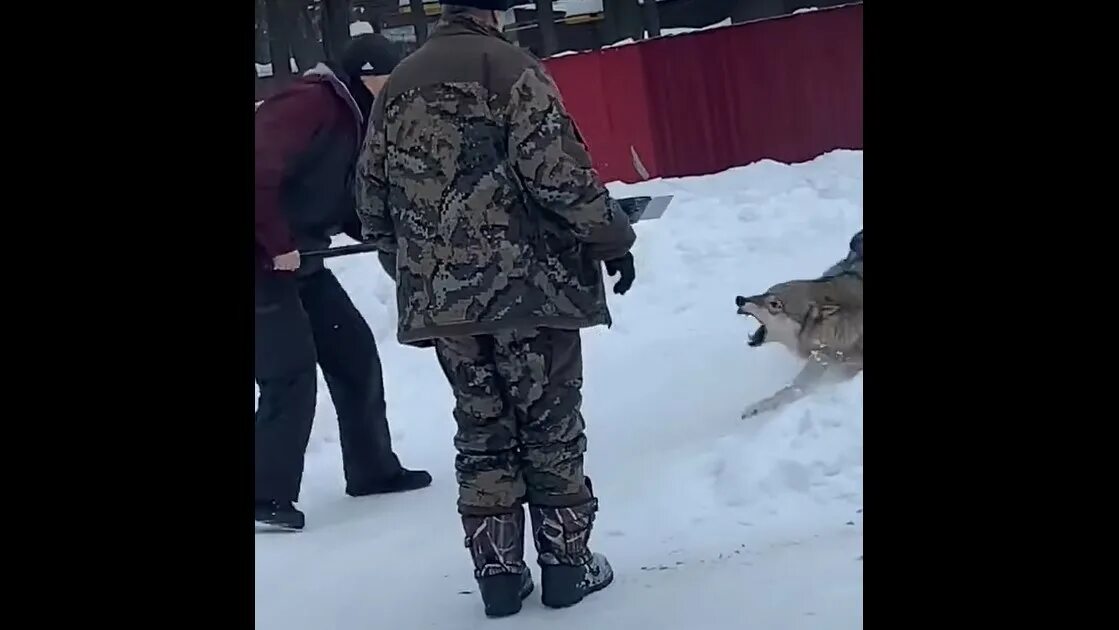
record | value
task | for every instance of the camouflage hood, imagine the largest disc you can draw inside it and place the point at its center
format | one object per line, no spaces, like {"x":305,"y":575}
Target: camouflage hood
{"x":475,"y":180}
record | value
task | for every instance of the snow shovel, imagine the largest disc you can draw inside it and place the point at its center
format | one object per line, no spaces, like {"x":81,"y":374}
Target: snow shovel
{"x":644,"y":208}
{"x":636,"y":208}
{"x":345,"y":250}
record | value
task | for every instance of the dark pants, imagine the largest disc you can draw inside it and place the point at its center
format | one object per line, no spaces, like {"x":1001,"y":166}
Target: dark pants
{"x":520,"y":428}
{"x":301,"y":322}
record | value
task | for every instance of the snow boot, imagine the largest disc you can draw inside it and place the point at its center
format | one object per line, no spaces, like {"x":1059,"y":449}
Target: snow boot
{"x":569,"y":571}
{"x":406,"y":481}
{"x":497,"y":547}
{"x":278,"y":515}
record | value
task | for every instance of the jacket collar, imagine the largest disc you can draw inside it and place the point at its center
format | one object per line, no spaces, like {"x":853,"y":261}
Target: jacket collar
{"x":322,"y":72}
{"x":464,"y":25}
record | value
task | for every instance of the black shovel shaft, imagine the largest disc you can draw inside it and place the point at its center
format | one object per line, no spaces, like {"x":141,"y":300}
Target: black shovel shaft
{"x":632,"y":206}
{"x":345,"y":250}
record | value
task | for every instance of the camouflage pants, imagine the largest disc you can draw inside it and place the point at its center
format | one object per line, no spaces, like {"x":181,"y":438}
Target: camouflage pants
{"x":520,"y":432}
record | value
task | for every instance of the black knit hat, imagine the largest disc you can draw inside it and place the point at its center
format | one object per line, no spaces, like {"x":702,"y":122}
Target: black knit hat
{"x":373,"y":49}
{"x":485,"y":5}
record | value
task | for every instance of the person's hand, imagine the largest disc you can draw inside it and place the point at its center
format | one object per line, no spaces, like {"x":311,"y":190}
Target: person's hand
{"x":286,"y":262}
{"x":623,"y":266}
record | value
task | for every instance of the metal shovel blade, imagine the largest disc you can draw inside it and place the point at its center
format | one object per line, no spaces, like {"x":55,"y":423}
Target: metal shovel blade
{"x":644,"y":208}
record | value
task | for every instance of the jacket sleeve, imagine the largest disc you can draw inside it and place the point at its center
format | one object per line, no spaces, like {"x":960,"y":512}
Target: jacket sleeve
{"x":352,"y":229}
{"x":370,"y":187}
{"x":555,"y":167}
{"x":284,"y":127}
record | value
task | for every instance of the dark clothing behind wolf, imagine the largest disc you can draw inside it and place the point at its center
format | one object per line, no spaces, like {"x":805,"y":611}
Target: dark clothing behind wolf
{"x":853,"y":263}
{"x":856,"y":245}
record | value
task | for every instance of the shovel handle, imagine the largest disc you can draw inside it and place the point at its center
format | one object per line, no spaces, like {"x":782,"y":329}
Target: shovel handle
{"x":345,"y":250}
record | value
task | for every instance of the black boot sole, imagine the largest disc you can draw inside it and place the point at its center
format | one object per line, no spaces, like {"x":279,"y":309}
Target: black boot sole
{"x":560,"y":586}
{"x":408,"y":484}
{"x":499,"y":598}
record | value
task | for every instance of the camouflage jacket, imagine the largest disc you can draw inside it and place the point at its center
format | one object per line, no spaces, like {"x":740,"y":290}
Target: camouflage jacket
{"x":473,"y":178}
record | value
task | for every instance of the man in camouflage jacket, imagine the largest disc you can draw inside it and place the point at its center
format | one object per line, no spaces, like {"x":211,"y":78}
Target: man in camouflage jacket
{"x":479,"y":192}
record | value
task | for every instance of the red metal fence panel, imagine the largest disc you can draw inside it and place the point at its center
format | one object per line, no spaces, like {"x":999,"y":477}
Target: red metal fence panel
{"x":788,"y":89}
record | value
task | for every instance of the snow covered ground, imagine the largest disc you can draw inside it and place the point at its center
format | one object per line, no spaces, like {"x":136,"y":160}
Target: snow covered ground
{"x":711,"y":522}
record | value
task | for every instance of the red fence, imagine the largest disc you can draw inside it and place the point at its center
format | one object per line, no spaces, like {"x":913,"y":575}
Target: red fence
{"x":789,"y":89}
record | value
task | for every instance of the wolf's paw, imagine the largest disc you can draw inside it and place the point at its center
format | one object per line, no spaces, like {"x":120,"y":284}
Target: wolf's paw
{"x":765,"y":406}
{"x":755,"y":410}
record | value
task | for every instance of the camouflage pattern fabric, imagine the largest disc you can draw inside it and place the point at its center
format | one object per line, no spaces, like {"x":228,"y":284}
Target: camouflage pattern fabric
{"x":520,"y":429}
{"x":562,"y":534}
{"x":496,"y":543}
{"x":476,"y":184}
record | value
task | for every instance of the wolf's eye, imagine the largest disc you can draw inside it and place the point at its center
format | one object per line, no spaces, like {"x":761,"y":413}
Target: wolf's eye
{"x":774,"y":304}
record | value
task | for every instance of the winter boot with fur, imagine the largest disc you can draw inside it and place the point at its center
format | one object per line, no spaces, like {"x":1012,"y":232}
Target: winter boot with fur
{"x":569,"y":571}
{"x":497,"y":546}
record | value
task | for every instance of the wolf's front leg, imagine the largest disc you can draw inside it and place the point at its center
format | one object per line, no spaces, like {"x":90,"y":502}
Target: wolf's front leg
{"x":783,"y":397}
{"x":804,"y":382}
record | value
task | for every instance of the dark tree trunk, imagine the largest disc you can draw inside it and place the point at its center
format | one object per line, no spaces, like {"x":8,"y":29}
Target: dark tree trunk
{"x":623,"y":19}
{"x":546,"y":22}
{"x":261,"y":53}
{"x":279,"y":40}
{"x":335,"y":27}
{"x":652,"y":18}
{"x":419,"y":20}
{"x":746,"y":10}
{"x":377,"y":10}
{"x":305,"y":46}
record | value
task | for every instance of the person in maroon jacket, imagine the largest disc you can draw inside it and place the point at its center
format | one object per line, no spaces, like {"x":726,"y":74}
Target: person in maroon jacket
{"x":307,"y":141}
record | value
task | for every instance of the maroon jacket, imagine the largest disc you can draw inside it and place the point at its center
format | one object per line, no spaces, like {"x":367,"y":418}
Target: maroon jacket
{"x":307,"y":141}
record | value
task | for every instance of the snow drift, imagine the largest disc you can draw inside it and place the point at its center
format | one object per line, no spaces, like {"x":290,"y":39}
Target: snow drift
{"x":710,"y":521}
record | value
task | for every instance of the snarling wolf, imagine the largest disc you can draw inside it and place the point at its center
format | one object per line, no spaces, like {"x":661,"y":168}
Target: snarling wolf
{"x":819,"y":320}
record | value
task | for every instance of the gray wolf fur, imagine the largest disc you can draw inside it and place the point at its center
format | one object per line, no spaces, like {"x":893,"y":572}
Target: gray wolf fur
{"x":819,"y":320}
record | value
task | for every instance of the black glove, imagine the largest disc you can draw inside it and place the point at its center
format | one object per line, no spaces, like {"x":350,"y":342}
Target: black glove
{"x":623,"y":265}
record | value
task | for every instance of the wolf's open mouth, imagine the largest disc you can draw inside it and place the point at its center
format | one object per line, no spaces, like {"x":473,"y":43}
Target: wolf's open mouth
{"x":757,"y":338}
